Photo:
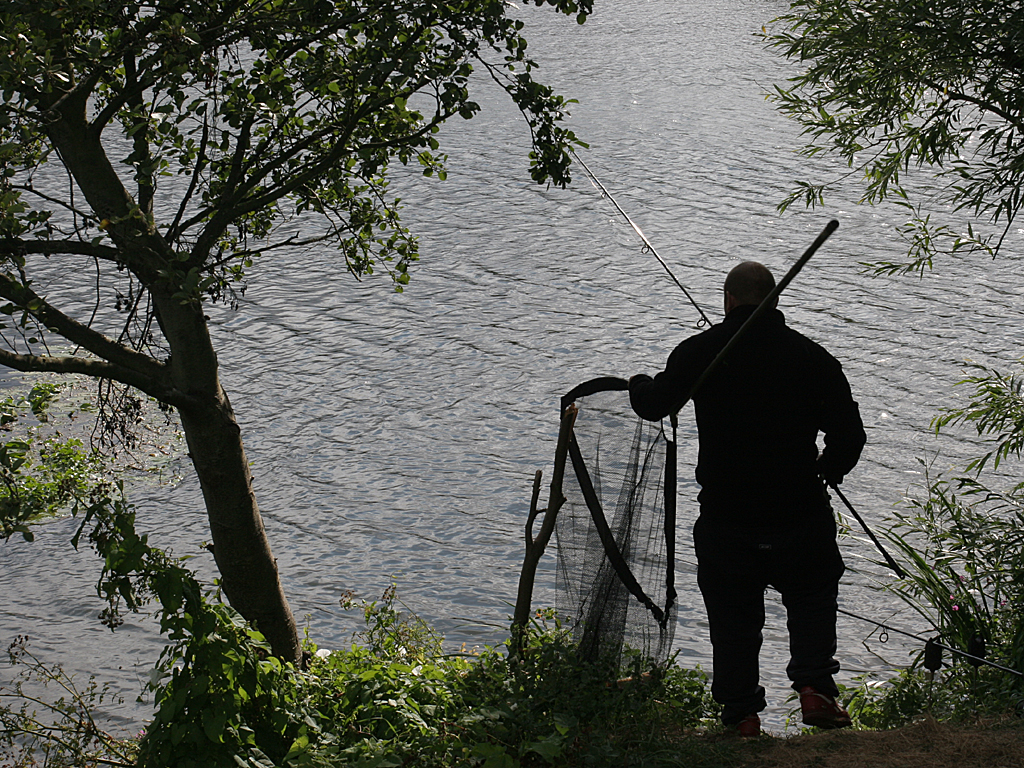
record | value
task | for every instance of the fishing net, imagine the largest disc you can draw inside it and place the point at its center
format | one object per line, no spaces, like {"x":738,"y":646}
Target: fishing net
{"x":616,"y":530}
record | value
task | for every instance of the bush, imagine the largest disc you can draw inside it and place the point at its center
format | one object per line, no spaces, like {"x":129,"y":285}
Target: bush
{"x":58,"y":733}
{"x":399,"y":699}
{"x":954,"y":695}
{"x":962,"y":547}
{"x":962,"y":543}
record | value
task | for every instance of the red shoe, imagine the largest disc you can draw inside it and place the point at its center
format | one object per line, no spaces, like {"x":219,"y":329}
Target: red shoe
{"x":822,"y":711}
{"x":749,"y":727}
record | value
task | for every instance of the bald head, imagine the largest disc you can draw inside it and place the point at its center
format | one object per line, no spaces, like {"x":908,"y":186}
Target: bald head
{"x":749,"y":282}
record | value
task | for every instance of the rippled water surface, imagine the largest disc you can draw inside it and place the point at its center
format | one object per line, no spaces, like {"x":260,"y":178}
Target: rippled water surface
{"x":396,"y":435}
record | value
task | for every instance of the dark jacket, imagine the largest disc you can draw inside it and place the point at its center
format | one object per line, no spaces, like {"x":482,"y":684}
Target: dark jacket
{"x":758,"y":418}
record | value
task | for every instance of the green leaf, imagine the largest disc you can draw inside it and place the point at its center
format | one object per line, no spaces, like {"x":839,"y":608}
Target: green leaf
{"x":213,"y":725}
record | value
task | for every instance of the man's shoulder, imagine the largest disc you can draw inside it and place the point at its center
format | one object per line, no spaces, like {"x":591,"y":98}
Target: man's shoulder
{"x":704,"y":342}
{"x":816,"y":352}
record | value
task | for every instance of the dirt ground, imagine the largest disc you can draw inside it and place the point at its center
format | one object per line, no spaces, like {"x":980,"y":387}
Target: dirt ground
{"x":925,"y":745}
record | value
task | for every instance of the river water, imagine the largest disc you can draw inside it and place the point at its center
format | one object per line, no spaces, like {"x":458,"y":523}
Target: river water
{"x":395,"y":436}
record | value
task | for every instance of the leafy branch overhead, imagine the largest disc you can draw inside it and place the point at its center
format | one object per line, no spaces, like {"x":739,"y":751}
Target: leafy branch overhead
{"x":232,"y":119}
{"x":891,"y":86}
{"x":996,"y":410}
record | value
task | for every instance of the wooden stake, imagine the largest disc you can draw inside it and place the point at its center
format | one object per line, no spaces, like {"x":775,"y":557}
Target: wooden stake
{"x":535,"y":546}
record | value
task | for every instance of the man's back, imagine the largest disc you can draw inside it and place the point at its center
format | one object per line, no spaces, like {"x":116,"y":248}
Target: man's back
{"x":758,"y":418}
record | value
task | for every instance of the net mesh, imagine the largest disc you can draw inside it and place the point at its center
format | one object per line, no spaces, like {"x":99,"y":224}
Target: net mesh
{"x":616,"y":530}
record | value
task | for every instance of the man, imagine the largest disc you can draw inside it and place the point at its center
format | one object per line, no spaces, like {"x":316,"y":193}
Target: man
{"x":764,"y":517}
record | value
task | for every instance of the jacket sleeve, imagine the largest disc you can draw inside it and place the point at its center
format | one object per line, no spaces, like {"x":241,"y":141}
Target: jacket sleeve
{"x":655,"y":398}
{"x":844,"y":435}
{"x":647,"y":399}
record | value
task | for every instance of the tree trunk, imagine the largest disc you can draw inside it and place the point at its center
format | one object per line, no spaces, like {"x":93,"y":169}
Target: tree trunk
{"x":248,"y":569}
{"x":189,"y":379}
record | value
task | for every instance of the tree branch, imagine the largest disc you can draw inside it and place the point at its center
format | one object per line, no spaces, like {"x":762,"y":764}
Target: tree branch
{"x":140,"y":138}
{"x":68,"y":205}
{"x":51,"y":247}
{"x":985,"y":106}
{"x":239,"y":202}
{"x":175,"y":229}
{"x":118,"y":355}
{"x":100,"y":369}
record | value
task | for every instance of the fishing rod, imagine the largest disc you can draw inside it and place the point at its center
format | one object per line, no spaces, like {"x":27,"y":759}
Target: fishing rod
{"x":933,"y":643}
{"x":825,"y":234}
{"x":888,"y":558}
{"x":648,"y":246}
{"x":767,"y":303}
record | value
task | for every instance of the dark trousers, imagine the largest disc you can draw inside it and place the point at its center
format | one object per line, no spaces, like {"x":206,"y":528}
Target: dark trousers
{"x":735,"y":564}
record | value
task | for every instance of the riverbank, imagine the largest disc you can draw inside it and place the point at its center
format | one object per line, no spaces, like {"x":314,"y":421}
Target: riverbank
{"x":925,"y":744}
{"x":398,"y":700}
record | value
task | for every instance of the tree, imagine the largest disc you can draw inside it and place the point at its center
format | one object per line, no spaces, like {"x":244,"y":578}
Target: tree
{"x":895,"y":85}
{"x":187,"y":138}
{"x":891,"y":85}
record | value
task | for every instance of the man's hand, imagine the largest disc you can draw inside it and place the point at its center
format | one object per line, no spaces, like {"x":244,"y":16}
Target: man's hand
{"x":827,"y":473}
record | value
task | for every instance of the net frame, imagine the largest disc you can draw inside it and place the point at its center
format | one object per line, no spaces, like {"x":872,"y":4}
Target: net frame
{"x":616,"y":572}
